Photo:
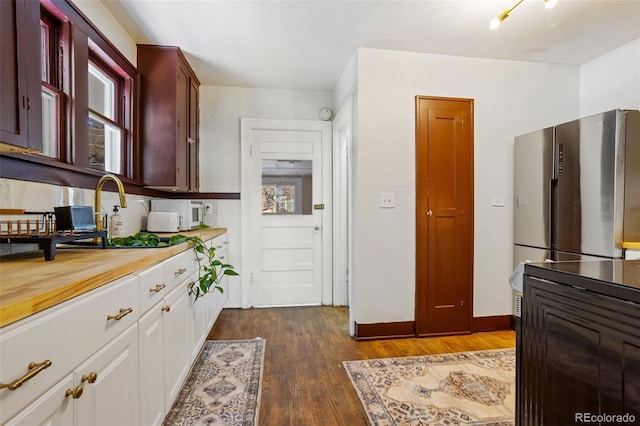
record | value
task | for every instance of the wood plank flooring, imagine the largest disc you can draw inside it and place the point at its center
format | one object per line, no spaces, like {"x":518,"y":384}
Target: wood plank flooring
{"x":304,"y":382}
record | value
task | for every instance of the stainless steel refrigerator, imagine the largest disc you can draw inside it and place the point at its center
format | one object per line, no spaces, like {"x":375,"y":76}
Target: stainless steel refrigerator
{"x":577,"y":189}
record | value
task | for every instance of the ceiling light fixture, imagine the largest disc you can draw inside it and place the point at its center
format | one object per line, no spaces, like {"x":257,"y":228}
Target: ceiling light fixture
{"x":495,"y":22}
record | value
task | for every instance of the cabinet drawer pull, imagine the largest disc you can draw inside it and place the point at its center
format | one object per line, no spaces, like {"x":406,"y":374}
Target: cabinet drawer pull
{"x":191,"y":284}
{"x":221,"y":257}
{"x":75,"y":392}
{"x":34,"y":368}
{"x":157,"y":288}
{"x":166,"y":308}
{"x":122,"y":313}
{"x":91,"y":378}
{"x":180,"y":271}
{"x":220,"y":246}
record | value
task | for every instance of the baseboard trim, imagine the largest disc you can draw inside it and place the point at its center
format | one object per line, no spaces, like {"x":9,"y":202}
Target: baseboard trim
{"x":385,"y":330}
{"x":493,"y":323}
{"x":395,"y":330}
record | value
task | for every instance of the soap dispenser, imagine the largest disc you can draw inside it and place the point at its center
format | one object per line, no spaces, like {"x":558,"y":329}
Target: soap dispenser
{"x":116,"y":224}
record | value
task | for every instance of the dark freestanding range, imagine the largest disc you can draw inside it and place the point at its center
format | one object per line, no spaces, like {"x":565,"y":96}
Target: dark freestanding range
{"x":578,"y":349}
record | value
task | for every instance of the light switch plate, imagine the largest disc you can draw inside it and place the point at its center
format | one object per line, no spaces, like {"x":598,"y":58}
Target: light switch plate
{"x":387,"y":200}
{"x":498,"y":201}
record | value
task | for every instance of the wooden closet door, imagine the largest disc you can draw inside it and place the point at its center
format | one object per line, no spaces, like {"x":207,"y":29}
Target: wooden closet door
{"x":444,"y":215}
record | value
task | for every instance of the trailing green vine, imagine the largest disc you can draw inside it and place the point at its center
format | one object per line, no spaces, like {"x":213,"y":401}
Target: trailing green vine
{"x":211,"y":271}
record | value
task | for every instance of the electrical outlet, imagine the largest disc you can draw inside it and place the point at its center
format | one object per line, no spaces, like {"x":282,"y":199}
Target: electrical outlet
{"x":387,"y":200}
{"x":208,"y":208}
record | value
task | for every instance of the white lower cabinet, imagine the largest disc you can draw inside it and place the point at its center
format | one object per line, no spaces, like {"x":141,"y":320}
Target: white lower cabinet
{"x":151,"y":362}
{"x":54,"y":408}
{"x":101,"y":391}
{"x":110,"y":383}
{"x":176,"y":336}
{"x":164,"y":355}
{"x":117,"y":355}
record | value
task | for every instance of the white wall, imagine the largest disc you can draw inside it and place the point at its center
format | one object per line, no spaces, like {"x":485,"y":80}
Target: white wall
{"x":221,"y":109}
{"x":511,"y":98}
{"x":611,"y":81}
{"x":109,"y":26}
{"x":42,"y":197}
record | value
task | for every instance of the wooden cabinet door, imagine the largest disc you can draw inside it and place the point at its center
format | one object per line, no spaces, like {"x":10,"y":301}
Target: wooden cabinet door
{"x":169,"y":121}
{"x":112,"y":399}
{"x":182,"y":130}
{"x":21,"y":115}
{"x":193,"y":137}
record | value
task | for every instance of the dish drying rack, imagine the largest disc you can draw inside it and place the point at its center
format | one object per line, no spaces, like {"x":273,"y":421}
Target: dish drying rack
{"x":40,"y":228}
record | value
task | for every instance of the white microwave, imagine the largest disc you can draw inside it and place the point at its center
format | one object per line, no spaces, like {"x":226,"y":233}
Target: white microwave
{"x":190,"y":212}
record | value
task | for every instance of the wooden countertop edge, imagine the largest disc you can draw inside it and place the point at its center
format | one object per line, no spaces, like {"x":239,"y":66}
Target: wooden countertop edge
{"x":631,"y":245}
{"x":103,"y":272}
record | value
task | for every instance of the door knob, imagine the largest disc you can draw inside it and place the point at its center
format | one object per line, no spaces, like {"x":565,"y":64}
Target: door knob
{"x":429,"y":213}
{"x":317,"y":228}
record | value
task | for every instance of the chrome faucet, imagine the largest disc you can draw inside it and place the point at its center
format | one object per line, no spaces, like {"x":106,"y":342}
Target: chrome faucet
{"x":101,"y":182}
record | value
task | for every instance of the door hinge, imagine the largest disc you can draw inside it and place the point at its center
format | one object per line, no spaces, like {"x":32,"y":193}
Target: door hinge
{"x":250,"y":150}
{"x":251,"y":278}
{"x":26,"y":103}
{"x":318,"y":206}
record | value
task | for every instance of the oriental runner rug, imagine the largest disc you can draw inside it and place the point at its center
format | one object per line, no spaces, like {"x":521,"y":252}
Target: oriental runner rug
{"x":465,"y":388}
{"x":223,"y":387}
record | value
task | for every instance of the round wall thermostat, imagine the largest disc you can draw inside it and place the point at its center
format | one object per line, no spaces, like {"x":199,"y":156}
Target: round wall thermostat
{"x":326,"y":114}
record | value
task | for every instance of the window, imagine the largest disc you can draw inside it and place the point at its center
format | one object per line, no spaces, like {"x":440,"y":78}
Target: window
{"x":281,"y":197}
{"x":286,"y":187}
{"x":53,"y":98}
{"x":87,"y":95}
{"x":105,"y":134}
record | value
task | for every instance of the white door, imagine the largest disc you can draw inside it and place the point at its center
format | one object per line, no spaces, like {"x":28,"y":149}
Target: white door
{"x":286,"y":209}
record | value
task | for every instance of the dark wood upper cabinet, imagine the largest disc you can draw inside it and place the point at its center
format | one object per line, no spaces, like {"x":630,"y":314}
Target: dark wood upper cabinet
{"x":21,"y":118}
{"x":169,"y":119}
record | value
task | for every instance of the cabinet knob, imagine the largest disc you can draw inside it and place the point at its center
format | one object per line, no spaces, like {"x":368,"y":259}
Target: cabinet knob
{"x":180,"y":271}
{"x":166,"y":308}
{"x":91,"y":378}
{"x":34,"y":368}
{"x":75,"y":392}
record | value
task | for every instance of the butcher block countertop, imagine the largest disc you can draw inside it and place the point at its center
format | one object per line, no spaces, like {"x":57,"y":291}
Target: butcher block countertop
{"x":633,"y":245}
{"x":29,"y":284}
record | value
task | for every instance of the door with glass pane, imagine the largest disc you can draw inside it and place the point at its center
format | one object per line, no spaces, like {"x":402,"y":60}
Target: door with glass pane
{"x":287,"y":207}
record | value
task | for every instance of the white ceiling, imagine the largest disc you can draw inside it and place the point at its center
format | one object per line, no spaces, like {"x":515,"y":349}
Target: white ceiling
{"x":306,"y":44}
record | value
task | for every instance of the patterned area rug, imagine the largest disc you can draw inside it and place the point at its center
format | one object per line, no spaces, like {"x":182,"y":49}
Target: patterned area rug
{"x":223,"y":387}
{"x":465,"y":388}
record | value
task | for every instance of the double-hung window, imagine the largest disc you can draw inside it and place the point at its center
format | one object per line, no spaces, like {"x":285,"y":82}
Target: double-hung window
{"x":106,"y":135}
{"x":53,"y":98}
{"x":87,"y":103}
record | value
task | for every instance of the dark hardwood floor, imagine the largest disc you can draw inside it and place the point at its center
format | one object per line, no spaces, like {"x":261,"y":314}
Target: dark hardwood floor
{"x":304,"y":382}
